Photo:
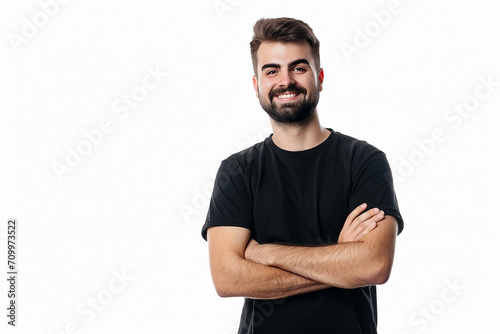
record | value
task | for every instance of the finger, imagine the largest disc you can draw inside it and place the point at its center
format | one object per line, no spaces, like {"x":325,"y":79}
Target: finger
{"x":355,"y":213}
{"x":368,"y":223}
{"x":366,"y":215}
{"x":367,"y":230}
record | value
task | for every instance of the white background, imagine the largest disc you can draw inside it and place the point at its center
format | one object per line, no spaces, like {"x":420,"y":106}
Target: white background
{"x":137,"y":201}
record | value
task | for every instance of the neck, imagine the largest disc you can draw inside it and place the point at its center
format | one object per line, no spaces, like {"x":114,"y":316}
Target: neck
{"x":295,"y":137}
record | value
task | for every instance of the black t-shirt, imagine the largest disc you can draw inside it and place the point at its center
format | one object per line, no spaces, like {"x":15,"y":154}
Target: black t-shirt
{"x":303,"y":198}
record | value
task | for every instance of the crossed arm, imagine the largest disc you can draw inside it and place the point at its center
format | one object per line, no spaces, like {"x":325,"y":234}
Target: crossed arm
{"x":363,"y":256}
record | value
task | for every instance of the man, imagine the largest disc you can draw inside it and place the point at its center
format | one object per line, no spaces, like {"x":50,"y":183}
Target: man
{"x":288,"y":226}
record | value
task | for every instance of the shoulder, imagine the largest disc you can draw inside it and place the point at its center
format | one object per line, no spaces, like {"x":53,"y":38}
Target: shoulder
{"x":355,"y":148}
{"x":244,"y":159}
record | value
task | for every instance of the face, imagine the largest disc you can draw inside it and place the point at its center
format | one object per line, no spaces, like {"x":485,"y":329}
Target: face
{"x":287,"y":83}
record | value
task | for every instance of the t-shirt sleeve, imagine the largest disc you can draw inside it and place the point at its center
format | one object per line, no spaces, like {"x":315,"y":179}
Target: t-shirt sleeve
{"x":231,"y":203}
{"x":373,"y":185}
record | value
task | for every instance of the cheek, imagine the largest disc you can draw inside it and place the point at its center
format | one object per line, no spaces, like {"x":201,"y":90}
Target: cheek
{"x":264,"y":89}
{"x":312,"y":85}
{"x":312,"y":82}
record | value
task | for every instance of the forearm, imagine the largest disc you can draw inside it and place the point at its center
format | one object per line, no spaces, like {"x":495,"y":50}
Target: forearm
{"x":234,"y":275}
{"x":243,"y":278}
{"x":345,"y":265}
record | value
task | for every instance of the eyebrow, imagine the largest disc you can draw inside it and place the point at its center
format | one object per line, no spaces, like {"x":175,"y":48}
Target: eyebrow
{"x":291,"y":64}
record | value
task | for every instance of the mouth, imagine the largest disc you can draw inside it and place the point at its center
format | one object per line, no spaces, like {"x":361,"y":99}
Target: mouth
{"x":287,"y":96}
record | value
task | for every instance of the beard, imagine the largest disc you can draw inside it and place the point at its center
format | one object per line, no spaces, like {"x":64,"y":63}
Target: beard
{"x":293,"y":113}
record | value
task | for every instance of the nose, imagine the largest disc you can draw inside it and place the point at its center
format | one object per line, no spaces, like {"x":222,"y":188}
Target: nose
{"x":286,"y":79}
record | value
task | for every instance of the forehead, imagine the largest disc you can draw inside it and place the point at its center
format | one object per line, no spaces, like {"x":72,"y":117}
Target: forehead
{"x":283,"y":53}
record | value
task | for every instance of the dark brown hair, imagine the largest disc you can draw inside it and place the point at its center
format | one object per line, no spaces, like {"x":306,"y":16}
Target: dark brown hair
{"x":284,"y":30}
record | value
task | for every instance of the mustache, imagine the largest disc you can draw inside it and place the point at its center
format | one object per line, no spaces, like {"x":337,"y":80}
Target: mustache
{"x":290,"y":89}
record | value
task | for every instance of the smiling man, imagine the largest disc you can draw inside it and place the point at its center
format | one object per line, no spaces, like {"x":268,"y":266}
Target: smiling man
{"x":304,"y":224}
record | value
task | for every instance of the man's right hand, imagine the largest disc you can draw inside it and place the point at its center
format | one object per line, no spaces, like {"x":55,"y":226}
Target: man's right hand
{"x":359,"y":224}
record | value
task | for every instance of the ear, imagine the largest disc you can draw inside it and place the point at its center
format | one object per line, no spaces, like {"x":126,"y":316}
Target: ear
{"x":321,"y":78}
{"x":256,"y":85}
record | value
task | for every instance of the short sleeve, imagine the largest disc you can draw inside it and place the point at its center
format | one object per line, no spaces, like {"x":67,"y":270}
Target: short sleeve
{"x":373,"y":185}
{"x":231,"y":204}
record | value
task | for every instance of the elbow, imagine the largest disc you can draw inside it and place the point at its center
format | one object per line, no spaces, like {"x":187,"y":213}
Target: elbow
{"x":380,"y":272}
{"x":223,"y":291}
{"x":382,"y":277}
{"x":226,"y":279}
{"x":377,"y":272}
{"x":224,"y":288}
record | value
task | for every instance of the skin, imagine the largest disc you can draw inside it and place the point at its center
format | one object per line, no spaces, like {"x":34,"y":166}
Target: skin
{"x":290,"y":137}
{"x":366,"y":261}
{"x":365,"y":249}
{"x":238,"y":264}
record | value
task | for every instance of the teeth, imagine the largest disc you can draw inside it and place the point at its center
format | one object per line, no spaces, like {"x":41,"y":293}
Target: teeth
{"x":286,"y":96}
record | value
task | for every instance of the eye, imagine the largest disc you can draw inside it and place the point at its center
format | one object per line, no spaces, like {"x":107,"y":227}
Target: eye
{"x":299,"y":69}
{"x":271,"y":72}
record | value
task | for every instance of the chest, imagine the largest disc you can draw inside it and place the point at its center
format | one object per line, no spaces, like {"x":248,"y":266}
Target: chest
{"x":301,"y":202}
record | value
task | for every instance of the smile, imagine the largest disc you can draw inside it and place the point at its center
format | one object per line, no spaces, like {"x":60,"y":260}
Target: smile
{"x":287,"y":96}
